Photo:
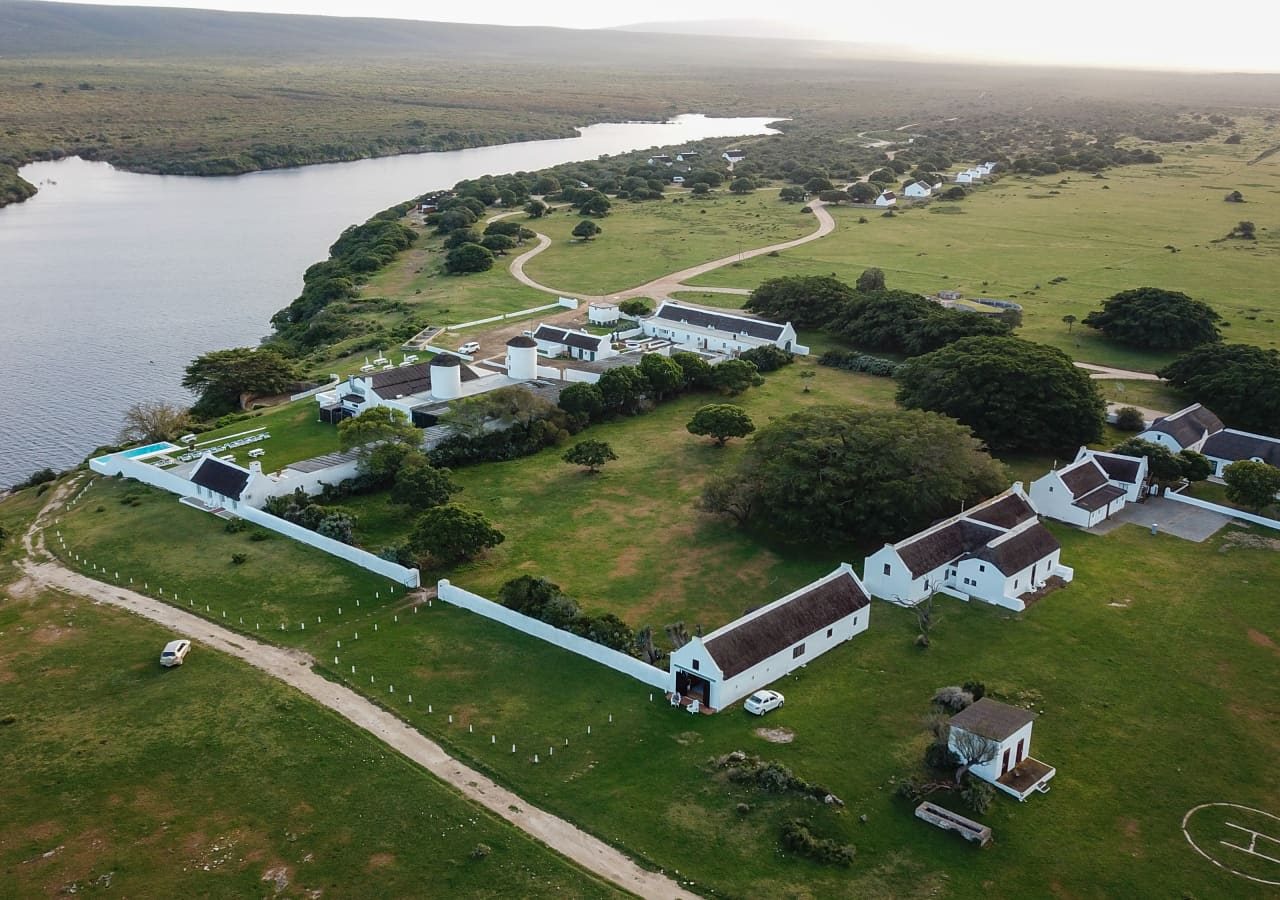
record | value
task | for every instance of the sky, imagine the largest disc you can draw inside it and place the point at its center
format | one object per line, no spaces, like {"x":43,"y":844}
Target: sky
{"x":1241,"y":36}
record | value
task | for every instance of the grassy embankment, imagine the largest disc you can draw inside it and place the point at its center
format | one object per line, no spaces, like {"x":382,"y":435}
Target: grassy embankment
{"x":213,"y":778}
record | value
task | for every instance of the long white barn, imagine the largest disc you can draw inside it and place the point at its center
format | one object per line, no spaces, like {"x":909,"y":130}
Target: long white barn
{"x":699,"y":328}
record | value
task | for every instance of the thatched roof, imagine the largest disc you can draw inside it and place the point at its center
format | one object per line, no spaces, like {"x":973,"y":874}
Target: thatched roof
{"x":992,"y":719}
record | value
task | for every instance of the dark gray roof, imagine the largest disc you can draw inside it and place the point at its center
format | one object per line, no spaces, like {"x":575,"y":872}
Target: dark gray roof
{"x":1082,"y":478}
{"x":522,"y":340}
{"x":1237,"y":445}
{"x":405,"y":380}
{"x":739,"y":647}
{"x":325,"y":461}
{"x":1020,"y":551}
{"x":1119,"y":468}
{"x":705,"y":318}
{"x":569,"y":338}
{"x":935,"y":548}
{"x":1006,"y":512}
{"x":353,"y":398}
{"x":992,"y":719}
{"x":1188,"y":425}
{"x":220,"y":477}
{"x":1099,"y":498}
{"x":630,"y":358}
{"x":446,"y":361}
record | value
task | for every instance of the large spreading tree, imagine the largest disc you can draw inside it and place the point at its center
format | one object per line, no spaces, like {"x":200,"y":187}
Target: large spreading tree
{"x":1156,"y":319}
{"x":450,"y":534}
{"x":721,"y":421}
{"x":1014,"y":394}
{"x":902,"y":322}
{"x":376,"y":425}
{"x":1239,"y":382}
{"x":221,"y":376}
{"x":1252,"y":484}
{"x":833,"y":474}
{"x":807,"y":301}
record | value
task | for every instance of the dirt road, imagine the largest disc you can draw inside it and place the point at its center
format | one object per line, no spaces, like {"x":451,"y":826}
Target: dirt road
{"x":293,"y":667}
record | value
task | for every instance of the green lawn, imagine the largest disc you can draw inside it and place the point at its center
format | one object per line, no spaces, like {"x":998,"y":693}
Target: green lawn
{"x":296,"y":433}
{"x":211,"y":779}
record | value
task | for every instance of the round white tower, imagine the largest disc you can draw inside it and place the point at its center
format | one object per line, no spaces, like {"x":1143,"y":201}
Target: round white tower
{"x":446,"y":377}
{"x":522,"y":358}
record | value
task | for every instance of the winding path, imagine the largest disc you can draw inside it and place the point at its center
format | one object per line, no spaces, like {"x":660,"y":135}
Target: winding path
{"x":293,"y":667}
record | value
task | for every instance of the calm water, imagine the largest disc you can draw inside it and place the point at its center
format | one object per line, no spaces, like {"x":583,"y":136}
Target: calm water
{"x":111,"y":282}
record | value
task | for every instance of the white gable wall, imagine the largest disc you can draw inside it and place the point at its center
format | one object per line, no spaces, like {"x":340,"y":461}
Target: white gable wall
{"x":897,"y":585}
{"x":991,"y":771}
{"x":1052,"y":498}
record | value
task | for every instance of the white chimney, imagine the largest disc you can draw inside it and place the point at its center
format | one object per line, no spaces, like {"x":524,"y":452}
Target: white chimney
{"x":522,"y":358}
{"x":446,"y":377}
{"x":255,"y":468}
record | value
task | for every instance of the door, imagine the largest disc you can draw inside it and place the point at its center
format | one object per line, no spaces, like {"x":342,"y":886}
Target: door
{"x":1004,"y":765}
{"x":1020,"y":757}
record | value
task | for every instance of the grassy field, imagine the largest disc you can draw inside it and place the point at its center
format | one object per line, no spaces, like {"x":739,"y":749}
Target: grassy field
{"x":1144,"y":677}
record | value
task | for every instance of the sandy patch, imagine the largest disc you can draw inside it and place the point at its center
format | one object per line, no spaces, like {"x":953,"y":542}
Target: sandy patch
{"x":1260,"y":639}
{"x":776,"y":735}
{"x":380,"y":861}
{"x":1245,"y":541}
{"x":1121,"y":604}
{"x":50,"y":634}
{"x":627,"y":563}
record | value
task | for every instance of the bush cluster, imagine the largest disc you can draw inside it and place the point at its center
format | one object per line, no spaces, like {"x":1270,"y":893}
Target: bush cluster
{"x":853,"y":361}
{"x":540,"y":599}
{"x":797,"y":838}
{"x":300,"y":509}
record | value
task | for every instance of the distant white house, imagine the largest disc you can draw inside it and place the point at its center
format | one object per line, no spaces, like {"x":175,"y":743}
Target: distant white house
{"x":696,"y":327}
{"x":686,"y":155}
{"x":1091,"y":489}
{"x":553,"y":341}
{"x":1003,"y":735}
{"x":1196,"y":428}
{"x":662,"y":160}
{"x":887,"y":198}
{"x":967,"y":177}
{"x":918,"y":190}
{"x":726,"y":665}
{"x":997,"y":552}
{"x":733,"y":156}
{"x":985,"y":168}
{"x":603,"y":313}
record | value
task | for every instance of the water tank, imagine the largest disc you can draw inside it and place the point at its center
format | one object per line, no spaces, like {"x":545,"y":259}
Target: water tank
{"x":446,"y":377}
{"x":522,"y":358}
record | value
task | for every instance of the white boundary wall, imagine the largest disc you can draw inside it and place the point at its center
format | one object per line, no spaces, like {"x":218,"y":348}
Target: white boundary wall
{"x":334,"y":381}
{"x":1225,"y":510}
{"x":140,"y":471}
{"x":606,"y":656}
{"x":563,"y":302}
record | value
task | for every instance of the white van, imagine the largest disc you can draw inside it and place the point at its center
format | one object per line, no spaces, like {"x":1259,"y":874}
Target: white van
{"x":174,"y":653}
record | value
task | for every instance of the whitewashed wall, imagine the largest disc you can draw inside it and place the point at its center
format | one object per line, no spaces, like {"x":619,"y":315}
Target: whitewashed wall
{"x":1225,"y":510}
{"x":606,"y":656}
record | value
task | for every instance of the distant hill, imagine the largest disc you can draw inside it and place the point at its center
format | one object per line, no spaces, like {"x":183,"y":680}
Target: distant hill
{"x":752,"y":28}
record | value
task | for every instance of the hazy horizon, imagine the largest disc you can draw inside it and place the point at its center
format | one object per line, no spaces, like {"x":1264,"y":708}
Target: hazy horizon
{"x":1094,"y":33}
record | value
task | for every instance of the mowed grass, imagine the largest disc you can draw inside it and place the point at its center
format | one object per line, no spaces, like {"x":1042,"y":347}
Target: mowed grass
{"x":644,"y":241}
{"x":213,"y":780}
{"x":1010,"y":239}
{"x":1151,"y":669}
{"x":296,"y":434}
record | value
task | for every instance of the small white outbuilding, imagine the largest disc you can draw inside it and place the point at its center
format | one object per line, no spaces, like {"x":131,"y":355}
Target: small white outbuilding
{"x":996,"y":738}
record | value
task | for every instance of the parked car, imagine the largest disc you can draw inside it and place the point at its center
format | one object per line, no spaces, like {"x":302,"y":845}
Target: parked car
{"x":174,"y":653}
{"x":469,"y":347}
{"x":761,"y":702}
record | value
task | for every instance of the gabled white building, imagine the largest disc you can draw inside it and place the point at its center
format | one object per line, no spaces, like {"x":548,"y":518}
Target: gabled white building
{"x":997,"y":552}
{"x":699,"y":328}
{"x":733,"y":156}
{"x":985,"y":168}
{"x":726,"y":665}
{"x":1196,"y":428}
{"x":1091,"y":489}
{"x":603,"y":313}
{"x":553,"y":341}
{"x":918,"y":190}
{"x":887,"y":198}
{"x":1004,"y":733}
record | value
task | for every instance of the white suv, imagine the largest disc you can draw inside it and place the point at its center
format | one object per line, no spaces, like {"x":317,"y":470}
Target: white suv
{"x":761,"y":702}
{"x":174,"y":653}
{"x":469,"y":347}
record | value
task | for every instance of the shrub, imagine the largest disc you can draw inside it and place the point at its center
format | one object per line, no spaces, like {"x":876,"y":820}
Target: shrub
{"x":952,"y":698}
{"x":36,"y":478}
{"x":743,"y":808}
{"x":976,"y":688}
{"x":235,"y":525}
{"x":977,"y":795}
{"x":939,"y":757}
{"x":480,"y":851}
{"x":239,"y":558}
{"x":797,"y":838}
{"x":768,"y":358}
{"x":852,"y":361}
{"x":1130,"y":418}
{"x":259,"y":536}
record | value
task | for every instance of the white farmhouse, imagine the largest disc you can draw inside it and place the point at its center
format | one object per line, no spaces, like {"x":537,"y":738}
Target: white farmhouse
{"x":985,"y":168}
{"x":553,"y":342}
{"x":1093,"y":488}
{"x":997,"y":552}
{"x":660,"y":160}
{"x":603,"y":313}
{"x":698,"y":328}
{"x":964,"y":178}
{"x":1001,"y":735}
{"x":887,"y":198}
{"x":918,"y":190}
{"x":1196,"y":428}
{"x":733,"y":156}
{"x":764,"y":645}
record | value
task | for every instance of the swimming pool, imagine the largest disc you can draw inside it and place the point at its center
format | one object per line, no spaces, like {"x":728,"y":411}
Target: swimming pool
{"x":149,"y":450}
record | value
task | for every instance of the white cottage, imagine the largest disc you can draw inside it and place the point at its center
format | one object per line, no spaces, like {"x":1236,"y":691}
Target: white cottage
{"x":733,"y":156}
{"x":603,"y":313}
{"x":1196,"y":428}
{"x":764,"y":645}
{"x":698,"y":328}
{"x":887,"y":198}
{"x":1002,"y":736}
{"x":997,"y":552}
{"x":553,"y":341}
{"x":221,"y":484}
{"x":1091,"y":489}
{"x":918,"y":190}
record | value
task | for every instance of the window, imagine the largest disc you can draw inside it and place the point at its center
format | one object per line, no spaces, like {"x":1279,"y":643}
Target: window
{"x":695,"y":665}
{"x":1050,"y":489}
{"x":886,"y":568}
{"x":982,"y":568}
{"x":798,"y":651}
{"x":829,"y":632}
{"x":1015,"y":583}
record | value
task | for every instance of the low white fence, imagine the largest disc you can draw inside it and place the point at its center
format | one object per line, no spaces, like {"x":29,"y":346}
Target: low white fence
{"x":140,"y":471}
{"x":333,"y":383}
{"x":1225,"y":510}
{"x":606,"y":656}
{"x":563,"y":302}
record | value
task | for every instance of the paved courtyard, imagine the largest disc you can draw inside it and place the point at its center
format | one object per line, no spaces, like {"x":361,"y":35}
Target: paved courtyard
{"x":1178,"y":519}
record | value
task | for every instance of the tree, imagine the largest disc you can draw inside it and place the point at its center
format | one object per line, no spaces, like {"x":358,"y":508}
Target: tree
{"x":1130,"y":418}
{"x":870,"y":280}
{"x":453,"y":219}
{"x":793,"y":194}
{"x":586,"y":230}
{"x":635,"y":307}
{"x":807,"y":301}
{"x":582,"y":401}
{"x":497,"y":410}
{"x":836,"y":197}
{"x":1156,"y":319}
{"x":1234,"y":197}
{"x":1239,"y":382}
{"x":862,"y":192}
{"x":1014,"y":394}
{"x":381,"y":462}
{"x":721,"y":421}
{"x":833,"y":474}
{"x":546,"y":184}
{"x":1252,"y":484}
{"x":594,"y":204}
{"x":1165,"y":467}
{"x":742,"y":186}
{"x":622,"y":389}
{"x":450,"y":534}
{"x":337,"y":524}
{"x":497,"y":244}
{"x":883,"y":176}
{"x":700,"y":189}
{"x":1069,"y":320}
{"x":592,"y":454}
{"x":907,"y":323}
{"x":468,"y":258}
{"x":733,"y":376}
{"x":420,"y":485}
{"x":221,"y":376}
{"x":972,"y":750}
{"x":460,"y":236}
{"x":536,"y":209}
{"x":1245,"y":231}
{"x":663,"y":374}
{"x":954,"y":193}
{"x":153,"y":420}
{"x":528,"y":595}
{"x":381,"y":423}
{"x":695,"y":369}
{"x":817,"y":184}
{"x":1195,"y":466}
{"x":710,"y":177}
